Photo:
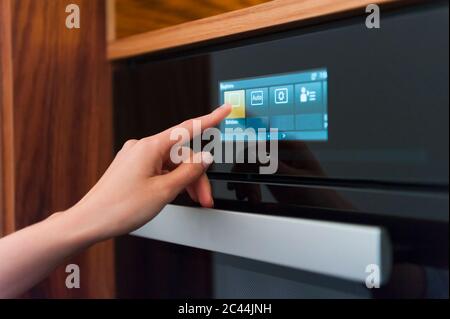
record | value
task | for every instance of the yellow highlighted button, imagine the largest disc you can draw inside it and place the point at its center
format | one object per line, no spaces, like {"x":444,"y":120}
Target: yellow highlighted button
{"x":237,"y":101}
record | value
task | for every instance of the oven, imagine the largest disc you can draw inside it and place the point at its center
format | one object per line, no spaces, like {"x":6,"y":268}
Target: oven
{"x":359,"y":195}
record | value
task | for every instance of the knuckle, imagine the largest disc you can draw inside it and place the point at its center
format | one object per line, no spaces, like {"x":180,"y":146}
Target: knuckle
{"x":148,"y":144}
{"x":152,"y":142}
{"x":129,"y":144}
{"x":187,"y":123}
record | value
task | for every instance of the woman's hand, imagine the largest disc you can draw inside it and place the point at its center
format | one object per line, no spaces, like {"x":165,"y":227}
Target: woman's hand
{"x":142,"y":180}
{"x":137,"y":185}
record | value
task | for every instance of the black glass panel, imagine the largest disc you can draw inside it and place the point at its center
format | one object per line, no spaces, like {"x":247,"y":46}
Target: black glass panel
{"x":384,"y":160}
{"x":387,"y":95}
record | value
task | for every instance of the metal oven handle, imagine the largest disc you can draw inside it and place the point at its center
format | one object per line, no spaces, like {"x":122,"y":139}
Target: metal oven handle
{"x":336,"y":249}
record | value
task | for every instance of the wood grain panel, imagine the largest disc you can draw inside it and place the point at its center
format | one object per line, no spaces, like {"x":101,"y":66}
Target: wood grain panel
{"x":110,"y":20}
{"x":270,"y":16}
{"x":137,"y":16}
{"x":6,"y":122}
{"x":63,"y":125}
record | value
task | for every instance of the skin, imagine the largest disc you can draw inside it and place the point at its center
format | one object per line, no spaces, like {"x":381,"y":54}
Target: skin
{"x":140,"y":181}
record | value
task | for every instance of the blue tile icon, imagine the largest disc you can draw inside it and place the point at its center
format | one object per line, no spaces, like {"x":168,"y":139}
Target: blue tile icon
{"x":256,"y":97}
{"x":256,"y":100}
{"x":308,"y":94}
{"x":258,"y":122}
{"x":282,"y":122}
{"x":281,"y":95}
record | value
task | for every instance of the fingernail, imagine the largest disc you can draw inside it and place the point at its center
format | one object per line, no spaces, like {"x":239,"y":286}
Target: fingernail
{"x":207,"y":159}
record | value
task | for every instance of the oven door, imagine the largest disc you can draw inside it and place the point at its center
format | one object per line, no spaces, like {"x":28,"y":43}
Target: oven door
{"x":363,"y":201}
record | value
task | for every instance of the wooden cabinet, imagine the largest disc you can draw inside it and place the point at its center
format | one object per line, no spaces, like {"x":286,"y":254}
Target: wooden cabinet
{"x":268,"y":17}
{"x":137,"y":16}
{"x":56,"y":129}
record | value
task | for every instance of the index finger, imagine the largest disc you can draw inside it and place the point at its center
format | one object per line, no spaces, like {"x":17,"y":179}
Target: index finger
{"x":206,"y":121}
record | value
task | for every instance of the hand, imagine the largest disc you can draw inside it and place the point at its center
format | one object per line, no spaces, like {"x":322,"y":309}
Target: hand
{"x":142,"y":180}
{"x":135,"y":187}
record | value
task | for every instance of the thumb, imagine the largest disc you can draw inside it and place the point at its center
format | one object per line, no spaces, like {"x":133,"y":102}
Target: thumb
{"x":188,"y":172}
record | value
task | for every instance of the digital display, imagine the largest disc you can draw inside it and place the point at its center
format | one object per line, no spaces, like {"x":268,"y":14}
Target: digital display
{"x":294,"y":103}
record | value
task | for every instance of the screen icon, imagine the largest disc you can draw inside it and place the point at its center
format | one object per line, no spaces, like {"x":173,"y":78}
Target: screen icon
{"x":234,"y":98}
{"x":307,"y":95}
{"x":237,"y":101}
{"x":256,"y":101}
{"x":256,"y":98}
{"x":281,"y":95}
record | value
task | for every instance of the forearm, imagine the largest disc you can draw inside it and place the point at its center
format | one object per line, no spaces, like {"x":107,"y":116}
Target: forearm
{"x":29,"y":255}
{"x":140,"y":181}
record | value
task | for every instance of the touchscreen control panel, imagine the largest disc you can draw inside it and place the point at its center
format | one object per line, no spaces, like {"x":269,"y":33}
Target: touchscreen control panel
{"x":293,"y":103}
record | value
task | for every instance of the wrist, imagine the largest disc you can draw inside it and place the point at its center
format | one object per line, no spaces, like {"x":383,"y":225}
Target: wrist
{"x":73,"y":228}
